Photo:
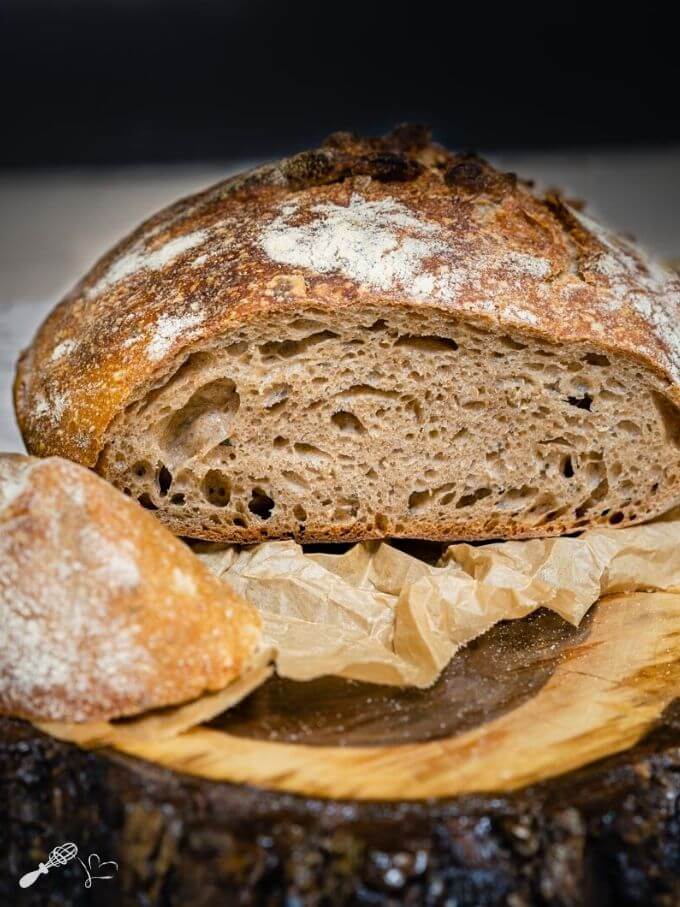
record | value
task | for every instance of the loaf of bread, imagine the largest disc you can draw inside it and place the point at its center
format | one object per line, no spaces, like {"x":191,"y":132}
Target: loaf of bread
{"x":376,"y":338}
{"x":103,"y":613}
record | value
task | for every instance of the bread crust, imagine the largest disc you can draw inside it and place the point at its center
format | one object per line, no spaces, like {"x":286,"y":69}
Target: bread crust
{"x":491,"y":251}
{"x":103,"y":613}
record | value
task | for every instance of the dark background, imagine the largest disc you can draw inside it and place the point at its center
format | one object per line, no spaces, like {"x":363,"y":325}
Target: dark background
{"x":118,"y":81}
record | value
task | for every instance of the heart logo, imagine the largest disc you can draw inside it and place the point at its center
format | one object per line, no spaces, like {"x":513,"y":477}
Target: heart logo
{"x":95,"y":866}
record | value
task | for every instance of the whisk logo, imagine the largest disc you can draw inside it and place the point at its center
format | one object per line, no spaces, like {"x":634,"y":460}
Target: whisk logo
{"x":62,"y":855}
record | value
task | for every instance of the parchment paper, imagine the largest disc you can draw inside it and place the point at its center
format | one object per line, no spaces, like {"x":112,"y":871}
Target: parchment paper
{"x":376,"y":613}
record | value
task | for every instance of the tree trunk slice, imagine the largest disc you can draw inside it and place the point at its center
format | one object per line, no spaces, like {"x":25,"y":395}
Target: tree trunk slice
{"x":532,"y":700}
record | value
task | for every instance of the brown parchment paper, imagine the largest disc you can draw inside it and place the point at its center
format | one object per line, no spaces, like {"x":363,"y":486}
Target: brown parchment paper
{"x":378,"y":614}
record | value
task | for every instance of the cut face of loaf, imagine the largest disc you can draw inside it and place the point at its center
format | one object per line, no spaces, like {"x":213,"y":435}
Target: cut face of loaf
{"x":407,"y":423}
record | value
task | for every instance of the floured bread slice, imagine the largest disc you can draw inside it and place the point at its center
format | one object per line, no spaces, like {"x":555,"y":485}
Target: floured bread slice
{"x":377,"y":338}
{"x":103,"y":613}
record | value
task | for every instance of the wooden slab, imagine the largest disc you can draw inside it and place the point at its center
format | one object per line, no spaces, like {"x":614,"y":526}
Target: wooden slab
{"x":598,"y":692}
{"x":493,"y":674}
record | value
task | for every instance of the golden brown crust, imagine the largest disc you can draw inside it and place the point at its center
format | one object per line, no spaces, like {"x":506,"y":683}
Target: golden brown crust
{"x":103,"y":613}
{"x":485,"y":248}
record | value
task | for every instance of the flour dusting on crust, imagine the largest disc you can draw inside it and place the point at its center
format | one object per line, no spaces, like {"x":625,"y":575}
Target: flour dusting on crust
{"x":141,"y":259}
{"x":65,"y":348}
{"x":57,"y":622}
{"x":14,"y":473}
{"x":383,"y":245}
{"x":638,"y":280}
{"x":103,"y":613}
{"x":364,"y":241}
{"x":51,"y":405}
{"x":168,"y":329}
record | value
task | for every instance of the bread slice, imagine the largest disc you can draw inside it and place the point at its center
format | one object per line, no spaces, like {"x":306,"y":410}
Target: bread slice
{"x":103,"y":613}
{"x":377,"y":338}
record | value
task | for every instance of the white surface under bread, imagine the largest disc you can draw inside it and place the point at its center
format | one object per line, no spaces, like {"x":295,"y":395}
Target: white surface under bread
{"x":54,"y":225}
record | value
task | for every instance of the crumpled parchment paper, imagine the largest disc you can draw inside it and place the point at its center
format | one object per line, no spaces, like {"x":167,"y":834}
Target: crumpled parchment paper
{"x":378,"y":614}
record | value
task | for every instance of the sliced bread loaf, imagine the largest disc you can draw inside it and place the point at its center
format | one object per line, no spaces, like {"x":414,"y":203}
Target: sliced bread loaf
{"x":376,"y":338}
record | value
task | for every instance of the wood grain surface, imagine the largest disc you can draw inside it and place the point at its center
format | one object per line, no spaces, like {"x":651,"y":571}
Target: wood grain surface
{"x":592,"y":693}
{"x":490,"y":676}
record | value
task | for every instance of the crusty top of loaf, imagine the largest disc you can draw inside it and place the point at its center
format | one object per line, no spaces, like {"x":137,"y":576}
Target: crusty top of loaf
{"x":103,"y":612}
{"x":392,"y":221}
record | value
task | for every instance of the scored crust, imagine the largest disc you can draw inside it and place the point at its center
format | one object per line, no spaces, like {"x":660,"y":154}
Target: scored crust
{"x":103,"y":613}
{"x":421,"y":230}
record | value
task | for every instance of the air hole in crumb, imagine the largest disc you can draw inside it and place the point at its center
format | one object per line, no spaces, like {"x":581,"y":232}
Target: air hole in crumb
{"x":584,"y":402}
{"x":616,"y":518}
{"x":177,"y":499}
{"x":146,"y":502}
{"x":512,"y":344}
{"x":427,"y":343}
{"x":260,"y":503}
{"x":194,"y":429}
{"x":300,"y":513}
{"x":596,"y":359}
{"x":280,"y":441}
{"x":669,"y":417}
{"x":567,"y":467}
{"x":164,"y":480}
{"x":417,"y":410}
{"x":467,"y":500}
{"x":286,"y":349}
{"x":629,"y":427}
{"x":348,"y":423}
{"x":516,"y":498}
{"x":310,"y":451}
{"x":418,"y":500}
{"x":276,"y":396}
{"x":140,"y":469}
{"x":216,"y":488}
{"x":298,"y":482}
{"x":239,"y":521}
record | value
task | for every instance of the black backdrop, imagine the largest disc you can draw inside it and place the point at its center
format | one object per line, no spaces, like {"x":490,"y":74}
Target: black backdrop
{"x":104,"y":81}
